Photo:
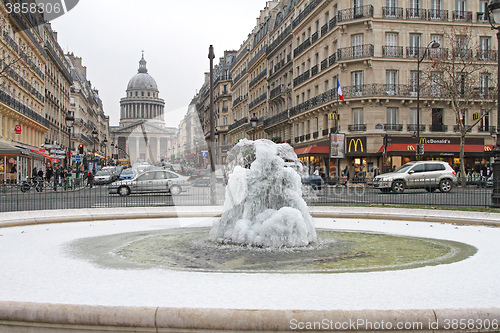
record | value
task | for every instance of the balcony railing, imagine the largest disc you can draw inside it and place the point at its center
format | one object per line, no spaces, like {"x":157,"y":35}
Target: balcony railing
{"x":356,"y":127}
{"x":392,"y":12}
{"x":413,"y":128}
{"x":392,"y":51}
{"x":276,"y":91}
{"x":462,"y":54}
{"x":437,"y":15}
{"x":355,"y":52}
{"x":257,"y":101}
{"x":393,"y":127}
{"x":438,"y":128}
{"x":487,"y":55}
{"x":257,"y":79}
{"x":456,"y":128}
{"x":355,"y":13}
{"x":462,"y":16}
{"x":25,"y":110}
{"x":301,"y":78}
{"x":303,"y":14}
{"x":486,"y":129}
{"x":483,"y":17}
{"x":237,"y":124}
{"x":416,"y":14}
{"x":418,"y":52}
{"x":302,"y":47}
{"x":282,"y":116}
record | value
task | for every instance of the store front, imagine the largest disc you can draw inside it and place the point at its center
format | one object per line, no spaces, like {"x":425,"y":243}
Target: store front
{"x":403,"y":150}
{"x":17,"y":163}
{"x":315,"y":157}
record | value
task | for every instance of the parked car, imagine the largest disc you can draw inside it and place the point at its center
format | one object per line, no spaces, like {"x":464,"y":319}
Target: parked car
{"x":103,"y":177}
{"x":316,"y":182}
{"x":429,"y":175}
{"x":127,"y":174}
{"x":151,"y":181}
{"x":114,"y":172}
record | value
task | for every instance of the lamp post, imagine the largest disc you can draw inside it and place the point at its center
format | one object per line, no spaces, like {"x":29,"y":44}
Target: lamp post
{"x":213,"y":195}
{"x":420,"y":146}
{"x":94,"y":136}
{"x":254,"y":122}
{"x":105,"y":142}
{"x":494,"y":16}
{"x":113,"y":152}
{"x":69,"y":123}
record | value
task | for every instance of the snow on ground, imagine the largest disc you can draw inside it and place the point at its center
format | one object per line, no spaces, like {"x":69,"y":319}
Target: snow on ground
{"x":35,"y":267}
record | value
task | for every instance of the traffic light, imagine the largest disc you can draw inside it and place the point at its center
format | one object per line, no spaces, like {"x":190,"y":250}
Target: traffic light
{"x":80,"y":149}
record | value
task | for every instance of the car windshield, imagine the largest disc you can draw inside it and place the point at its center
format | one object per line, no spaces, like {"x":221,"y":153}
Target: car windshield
{"x":404,"y":168}
{"x":102,"y":173}
{"x":127,"y":172}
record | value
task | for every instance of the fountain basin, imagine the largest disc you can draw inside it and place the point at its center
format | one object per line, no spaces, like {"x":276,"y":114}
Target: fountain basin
{"x":57,"y":296}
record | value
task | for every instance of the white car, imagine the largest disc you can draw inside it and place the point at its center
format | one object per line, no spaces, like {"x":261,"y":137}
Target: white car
{"x":103,"y":177}
{"x":151,"y":181}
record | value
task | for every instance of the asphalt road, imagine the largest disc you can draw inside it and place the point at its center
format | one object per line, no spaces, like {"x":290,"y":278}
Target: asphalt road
{"x":12,"y":199}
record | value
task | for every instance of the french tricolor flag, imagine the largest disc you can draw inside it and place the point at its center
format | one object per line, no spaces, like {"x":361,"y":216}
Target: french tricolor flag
{"x":339,"y":90}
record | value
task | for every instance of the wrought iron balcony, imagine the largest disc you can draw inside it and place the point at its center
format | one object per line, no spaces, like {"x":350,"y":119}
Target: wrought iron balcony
{"x":418,"y":52}
{"x":486,"y":129}
{"x":302,"y":47}
{"x":355,"y":52}
{"x":280,"y":117}
{"x":487,"y":55}
{"x":356,"y":127}
{"x":355,"y":13}
{"x":392,"y":12}
{"x":413,"y":128}
{"x":456,"y":128}
{"x":438,"y":128}
{"x":237,"y":124}
{"x":416,"y":14}
{"x":393,"y":127}
{"x":462,"y":16}
{"x":392,"y":51}
{"x":437,"y":15}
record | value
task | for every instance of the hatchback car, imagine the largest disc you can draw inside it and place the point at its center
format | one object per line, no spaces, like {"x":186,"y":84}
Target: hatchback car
{"x":127,"y":174}
{"x":429,"y":175}
{"x":103,"y":177}
{"x":151,"y":181}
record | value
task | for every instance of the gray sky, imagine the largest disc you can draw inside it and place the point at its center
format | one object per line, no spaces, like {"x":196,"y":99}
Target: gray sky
{"x":110,"y":34}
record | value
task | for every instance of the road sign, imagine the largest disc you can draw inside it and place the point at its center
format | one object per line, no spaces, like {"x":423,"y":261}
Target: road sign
{"x":78,"y":158}
{"x":204,"y":153}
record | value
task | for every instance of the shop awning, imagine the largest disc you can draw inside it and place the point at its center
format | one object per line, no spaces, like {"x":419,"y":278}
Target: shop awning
{"x":401,"y":147}
{"x":45,"y":155}
{"x":313,"y":150}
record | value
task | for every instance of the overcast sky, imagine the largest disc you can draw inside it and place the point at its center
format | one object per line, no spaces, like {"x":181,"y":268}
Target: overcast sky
{"x":110,"y":34}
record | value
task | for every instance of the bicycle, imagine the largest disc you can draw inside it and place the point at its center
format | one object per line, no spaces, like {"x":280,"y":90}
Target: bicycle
{"x":28,"y":184}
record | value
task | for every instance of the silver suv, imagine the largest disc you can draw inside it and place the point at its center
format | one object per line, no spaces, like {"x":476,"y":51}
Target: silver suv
{"x":430,"y":175}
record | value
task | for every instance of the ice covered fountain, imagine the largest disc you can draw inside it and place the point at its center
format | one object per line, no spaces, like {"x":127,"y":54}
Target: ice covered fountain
{"x":187,"y":268}
{"x":264,"y":204}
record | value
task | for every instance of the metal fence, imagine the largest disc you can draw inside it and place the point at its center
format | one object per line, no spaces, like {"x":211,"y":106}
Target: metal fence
{"x":361,"y":192}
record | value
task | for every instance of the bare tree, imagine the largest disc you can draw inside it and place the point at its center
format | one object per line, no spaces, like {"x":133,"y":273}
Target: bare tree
{"x":462,"y":73}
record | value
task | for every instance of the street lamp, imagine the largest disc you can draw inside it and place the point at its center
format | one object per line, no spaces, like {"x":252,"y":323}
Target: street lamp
{"x":420,"y":146}
{"x":94,"y":136}
{"x":494,"y":16}
{"x":69,"y":123}
{"x":105,"y":142}
{"x":254,"y":121}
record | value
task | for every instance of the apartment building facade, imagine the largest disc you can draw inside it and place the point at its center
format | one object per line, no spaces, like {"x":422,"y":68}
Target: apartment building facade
{"x":286,"y":75}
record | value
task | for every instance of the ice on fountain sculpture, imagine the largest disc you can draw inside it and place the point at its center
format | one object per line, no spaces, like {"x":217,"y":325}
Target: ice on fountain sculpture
{"x":263,"y":204}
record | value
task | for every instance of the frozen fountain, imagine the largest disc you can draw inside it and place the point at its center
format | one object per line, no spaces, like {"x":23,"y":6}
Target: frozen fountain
{"x":263,"y":204}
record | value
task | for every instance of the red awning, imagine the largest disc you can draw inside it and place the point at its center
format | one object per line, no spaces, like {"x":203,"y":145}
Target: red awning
{"x":401,"y":147}
{"x":312,"y":150}
{"x":44,"y":155}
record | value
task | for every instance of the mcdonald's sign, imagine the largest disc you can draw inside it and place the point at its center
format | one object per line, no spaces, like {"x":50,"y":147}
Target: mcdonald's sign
{"x":423,"y":141}
{"x":356,"y":145}
{"x":487,"y":148}
{"x":475,"y":116}
{"x":333,"y":116}
{"x":410,"y":147}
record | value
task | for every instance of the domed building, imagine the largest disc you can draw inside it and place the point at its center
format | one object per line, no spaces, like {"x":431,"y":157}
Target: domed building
{"x":142,"y":134}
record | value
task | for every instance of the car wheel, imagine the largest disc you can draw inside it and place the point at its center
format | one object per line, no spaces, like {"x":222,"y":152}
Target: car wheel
{"x":398,"y":186}
{"x":445,"y":185}
{"x":124,"y":191}
{"x":175,"y":190}
{"x":430,"y":189}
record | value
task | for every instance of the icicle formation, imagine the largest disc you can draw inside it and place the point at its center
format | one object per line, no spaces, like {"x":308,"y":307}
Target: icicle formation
{"x":263,"y":204}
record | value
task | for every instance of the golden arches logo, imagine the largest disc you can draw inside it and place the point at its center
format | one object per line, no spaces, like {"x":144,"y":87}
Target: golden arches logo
{"x":423,"y":140}
{"x":487,"y":148}
{"x":333,"y":116}
{"x":356,"y":142}
{"x":410,"y":147}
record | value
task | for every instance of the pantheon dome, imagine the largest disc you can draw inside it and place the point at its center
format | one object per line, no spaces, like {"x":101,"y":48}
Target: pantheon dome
{"x":141,"y":134}
{"x":142,"y":101}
